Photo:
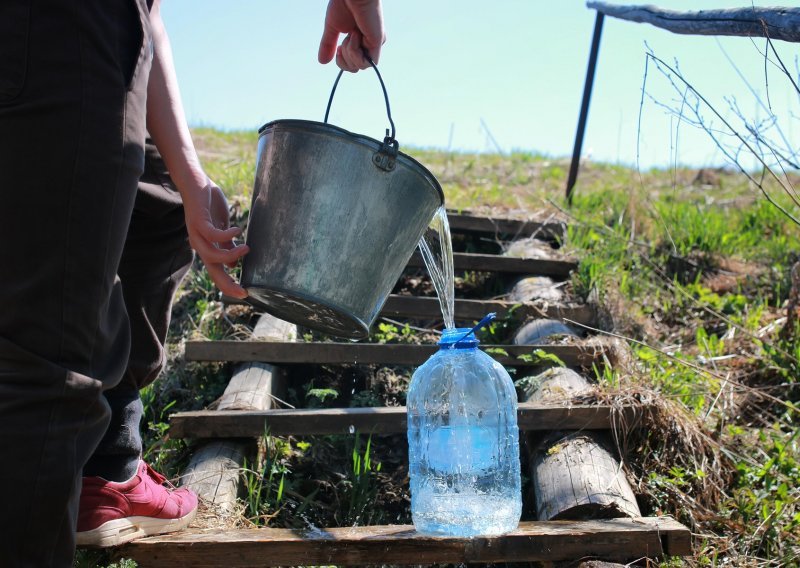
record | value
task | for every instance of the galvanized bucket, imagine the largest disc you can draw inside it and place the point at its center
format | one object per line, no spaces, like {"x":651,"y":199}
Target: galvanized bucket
{"x":335,"y":217}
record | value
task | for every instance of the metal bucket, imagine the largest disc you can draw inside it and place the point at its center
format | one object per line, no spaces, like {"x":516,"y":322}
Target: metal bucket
{"x":335,"y":217}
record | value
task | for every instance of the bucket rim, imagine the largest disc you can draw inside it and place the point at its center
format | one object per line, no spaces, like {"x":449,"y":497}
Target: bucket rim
{"x":326,"y":128}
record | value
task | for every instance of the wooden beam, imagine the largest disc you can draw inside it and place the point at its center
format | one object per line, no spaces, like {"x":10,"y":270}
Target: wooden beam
{"x":381,"y":420}
{"x":371,"y":353}
{"x":773,"y":22}
{"x":399,"y":306}
{"x":612,"y":539}
{"x":517,"y":228}
{"x":506,"y":264}
{"x":473,"y":310}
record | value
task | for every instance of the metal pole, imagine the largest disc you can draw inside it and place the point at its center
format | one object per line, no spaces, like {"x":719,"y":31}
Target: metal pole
{"x":587,"y":95}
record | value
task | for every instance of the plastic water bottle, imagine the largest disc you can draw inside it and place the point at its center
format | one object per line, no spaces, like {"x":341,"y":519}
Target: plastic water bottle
{"x":463,"y":442}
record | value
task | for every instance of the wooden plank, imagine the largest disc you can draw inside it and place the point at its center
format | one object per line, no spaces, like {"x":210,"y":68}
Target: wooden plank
{"x":381,"y":420}
{"x":518,"y":228}
{"x":370,"y":353}
{"x":752,"y":21}
{"x":473,"y":310}
{"x":611,"y":539}
{"x":398,"y":306}
{"x":506,"y":264}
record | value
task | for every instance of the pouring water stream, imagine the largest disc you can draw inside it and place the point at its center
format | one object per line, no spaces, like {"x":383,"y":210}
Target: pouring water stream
{"x":437,"y":253}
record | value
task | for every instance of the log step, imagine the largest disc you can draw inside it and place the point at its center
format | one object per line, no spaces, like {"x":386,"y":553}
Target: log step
{"x":397,"y":306}
{"x":507,"y":264}
{"x":374,"y":353}
{"x":419,"y":307}
{"x":381,"y":420}
{"x":517,"y":228}
{"x":620,"y":540}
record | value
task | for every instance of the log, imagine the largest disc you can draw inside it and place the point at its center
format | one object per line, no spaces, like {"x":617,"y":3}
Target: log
{"x":533,"y":288}
{"x":542,"y":332}
{"x":556,"y":385}
{"x":776,"y":22}
{"x":214,"y":472}
{"x":254,"y":386}
{"x":274,"y":329}
{"x":574,"y":475}
{"x":539,"y":287}
{"x":528,"y":248}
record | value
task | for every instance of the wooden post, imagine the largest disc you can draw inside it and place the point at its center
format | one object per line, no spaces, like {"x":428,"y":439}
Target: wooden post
{"x":572,"y":177}
{"x":214,"y":472}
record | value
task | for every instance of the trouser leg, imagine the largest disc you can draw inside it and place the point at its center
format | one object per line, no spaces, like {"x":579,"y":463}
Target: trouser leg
{"x":156,"y":257}
{"x":72,"y":99}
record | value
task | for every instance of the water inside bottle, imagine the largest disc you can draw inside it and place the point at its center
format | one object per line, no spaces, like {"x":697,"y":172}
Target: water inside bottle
{"x":459,"y":485}
{"x":436,"y":248}
{"x":463,"y":442}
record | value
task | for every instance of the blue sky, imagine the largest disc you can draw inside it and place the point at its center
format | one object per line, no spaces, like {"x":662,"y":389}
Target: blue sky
{"x":453,"y":66}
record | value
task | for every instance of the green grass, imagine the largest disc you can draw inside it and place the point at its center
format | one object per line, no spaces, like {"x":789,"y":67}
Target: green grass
{"x":695,"y":276}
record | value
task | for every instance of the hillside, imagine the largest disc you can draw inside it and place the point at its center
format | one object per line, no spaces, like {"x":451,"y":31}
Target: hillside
{"x":692,"y":269}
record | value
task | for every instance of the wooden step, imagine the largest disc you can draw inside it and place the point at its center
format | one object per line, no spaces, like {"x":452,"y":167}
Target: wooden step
{"x":398,"y":306}
{"x":373,"y":353}
{"x":498,"y":226}
{"x":507,"y":264}
{"x":621,"y":540}
{"x":419,"y":307}
{"x":381,"y":420}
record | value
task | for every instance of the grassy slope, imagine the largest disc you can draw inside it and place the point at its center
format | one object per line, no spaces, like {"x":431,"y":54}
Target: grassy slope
{"x":694,"y":270}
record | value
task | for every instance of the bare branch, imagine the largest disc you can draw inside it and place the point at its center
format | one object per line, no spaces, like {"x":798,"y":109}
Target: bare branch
{"x":661,"y":65}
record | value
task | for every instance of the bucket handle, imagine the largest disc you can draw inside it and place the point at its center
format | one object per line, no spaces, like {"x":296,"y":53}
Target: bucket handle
{"x":386,"y":155}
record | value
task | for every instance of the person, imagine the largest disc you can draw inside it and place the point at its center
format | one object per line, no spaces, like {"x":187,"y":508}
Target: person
{"x":92,"y":257}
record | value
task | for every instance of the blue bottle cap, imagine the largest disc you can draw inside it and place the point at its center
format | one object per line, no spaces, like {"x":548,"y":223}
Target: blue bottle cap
{"x":458,"y":338}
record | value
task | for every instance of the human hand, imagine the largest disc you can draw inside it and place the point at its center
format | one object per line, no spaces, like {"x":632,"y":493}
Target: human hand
{"x":362,"y":21}
{"x":210,"y":234}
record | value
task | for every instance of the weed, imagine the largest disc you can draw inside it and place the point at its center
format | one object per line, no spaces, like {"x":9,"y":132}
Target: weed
{"x":100,"y":559}
{"x":541,"y":357}
{"x":264,"y":485}
{"x":360,"y":488}
{"x":389,"y":333}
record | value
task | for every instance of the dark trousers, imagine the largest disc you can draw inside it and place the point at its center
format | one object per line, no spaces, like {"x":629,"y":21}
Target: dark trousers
{"x":72,"y":129}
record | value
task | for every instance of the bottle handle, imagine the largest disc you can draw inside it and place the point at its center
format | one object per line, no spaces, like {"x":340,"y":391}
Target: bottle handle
{"x":485,"y":321}
{"x":386,"y":156}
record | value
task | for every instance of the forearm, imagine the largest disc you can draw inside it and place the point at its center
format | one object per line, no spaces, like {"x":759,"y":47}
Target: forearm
{"x":166,"y":120}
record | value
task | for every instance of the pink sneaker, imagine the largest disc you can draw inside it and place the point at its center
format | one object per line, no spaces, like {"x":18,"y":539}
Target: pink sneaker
{"x":113,"y":513}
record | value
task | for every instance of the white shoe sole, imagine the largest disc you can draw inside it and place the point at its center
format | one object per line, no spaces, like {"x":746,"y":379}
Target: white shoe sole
{"x":120,"y":531}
